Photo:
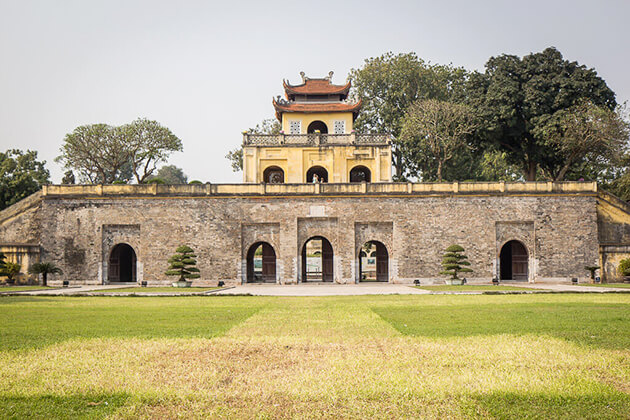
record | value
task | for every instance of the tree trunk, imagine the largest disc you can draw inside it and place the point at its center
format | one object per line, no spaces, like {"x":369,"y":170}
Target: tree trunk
{"x":44,"y":279}
{"x":530,"y":171}
{"x":439,"y":171}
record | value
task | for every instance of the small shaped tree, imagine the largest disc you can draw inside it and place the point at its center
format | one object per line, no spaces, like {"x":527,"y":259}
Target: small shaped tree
{"x":454,"y":261}
{"x":44,"y":268}
{"x":183,"y":263}
{"x":11,"y":270}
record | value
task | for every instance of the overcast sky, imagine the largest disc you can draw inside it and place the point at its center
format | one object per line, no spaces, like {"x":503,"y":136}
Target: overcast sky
{"x":208,"y":70}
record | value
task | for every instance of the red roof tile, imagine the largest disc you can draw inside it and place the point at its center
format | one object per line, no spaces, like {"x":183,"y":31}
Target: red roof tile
{"x":316,"y":87}
{"x":316,"y":107}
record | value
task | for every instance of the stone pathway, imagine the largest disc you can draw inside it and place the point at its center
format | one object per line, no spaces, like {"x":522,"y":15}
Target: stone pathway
{"x":73,"y":290}
{"x":559,"y":287}
{"x":323,"y":290}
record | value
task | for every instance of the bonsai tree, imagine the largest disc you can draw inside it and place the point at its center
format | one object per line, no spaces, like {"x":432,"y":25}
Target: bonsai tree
{"x":454,"y":261}
{"x":183,"y":263}
{"x":11,"y":270}
{"x":44,"y":268}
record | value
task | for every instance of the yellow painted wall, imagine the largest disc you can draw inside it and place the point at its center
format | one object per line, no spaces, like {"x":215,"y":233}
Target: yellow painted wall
{"x":328,"y":118}
{"x":338,"y":160}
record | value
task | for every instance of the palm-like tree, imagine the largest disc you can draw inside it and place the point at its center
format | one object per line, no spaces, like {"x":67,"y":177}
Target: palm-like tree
{"x":44,"y":268}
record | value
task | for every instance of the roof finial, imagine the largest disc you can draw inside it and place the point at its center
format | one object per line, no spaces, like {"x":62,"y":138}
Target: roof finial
{"x":330,"y":75}
{"x":303,"y":75}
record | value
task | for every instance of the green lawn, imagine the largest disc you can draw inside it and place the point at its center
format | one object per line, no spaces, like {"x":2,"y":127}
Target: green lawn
{"x":619,"y":285}
{"x":413,"y":356}
{"x":140,"y":290}
{"x":22,"y":288}
{"x":471,"y":288}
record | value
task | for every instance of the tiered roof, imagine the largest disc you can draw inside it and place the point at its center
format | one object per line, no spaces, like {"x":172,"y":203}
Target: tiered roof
{"x":315,"y":95}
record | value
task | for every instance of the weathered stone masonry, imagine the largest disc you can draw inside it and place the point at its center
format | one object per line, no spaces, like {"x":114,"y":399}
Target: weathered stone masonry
{"x":562,"y":226}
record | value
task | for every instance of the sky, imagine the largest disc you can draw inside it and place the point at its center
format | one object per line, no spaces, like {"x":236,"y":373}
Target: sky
{"x":208,"y":70}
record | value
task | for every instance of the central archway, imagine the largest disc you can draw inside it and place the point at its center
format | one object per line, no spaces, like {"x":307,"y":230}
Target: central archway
{"x":373,"y":262}
{"x":122,"y":264}
{"x":317,"y":260}
{"x":273,"y":175}
{"x":514,"y":261}
{"x":261,"y":263}
{"x":317,"y":171}
{"x":317,"y":126}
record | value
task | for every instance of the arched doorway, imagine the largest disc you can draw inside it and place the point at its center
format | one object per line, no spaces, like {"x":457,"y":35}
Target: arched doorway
{"x":317,"y":125}
{"x":513,"y":262}
{"x":319,"y":172}
{"x":317,"y":260}
{"x":122,"y":264}
{"x":261,"y":263}
{"x":360,"y":174}
{"x":273,"y":175}
{"x":373,"y":262}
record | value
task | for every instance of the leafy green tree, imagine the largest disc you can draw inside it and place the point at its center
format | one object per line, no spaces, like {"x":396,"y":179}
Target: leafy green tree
{"x":515,"y":96}
{"x":44,"y":268}
{"x":11,"y":270}
{"x":183,"y":263}
{"x":68,"y":178}
{"x":21,"y":174}
{"x":148,"y":143}
{"x":269,"y":126}
{"x":101,"y":153}
{"x":433,"y":132}
{"x":170,"y":174}
{"x":454,"y":262}
{"x":389,"y":84}
{"x":583,"y":131}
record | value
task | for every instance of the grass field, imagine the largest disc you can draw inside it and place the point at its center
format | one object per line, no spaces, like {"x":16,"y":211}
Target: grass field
{"x":22,"y":288}
{"x":471,"y":288}
{"x":445,"y":356}
{"x":140,"y":290}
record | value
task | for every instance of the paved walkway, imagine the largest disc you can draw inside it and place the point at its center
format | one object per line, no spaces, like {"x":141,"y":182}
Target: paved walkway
{"x":73,"y":290}
{"x":572,"y":288}
{"x":323,"y":290}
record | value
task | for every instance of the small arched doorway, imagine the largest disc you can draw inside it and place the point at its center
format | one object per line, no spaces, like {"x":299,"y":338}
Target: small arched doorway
{"x":373,"y":262}
{"x":317,"y":174}
{"x":317,"y":126}
{"x":261,"y":263}
{"x":317,"y":260}
{"x":360,"y":174}
{"x":122,"y":264}
{"x":514,"y":261}
{"x":273,"y":175}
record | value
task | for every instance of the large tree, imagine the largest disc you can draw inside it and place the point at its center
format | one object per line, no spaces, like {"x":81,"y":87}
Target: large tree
{"x":389,"y":84}
{"x":149,"y":143}
{"x":433,"y":133}
{"x":581,"y":132}
{"x":171,"y":174}
{"x":21,"y":174}
{"x":101,"y":153}
{"x":515,"y":95}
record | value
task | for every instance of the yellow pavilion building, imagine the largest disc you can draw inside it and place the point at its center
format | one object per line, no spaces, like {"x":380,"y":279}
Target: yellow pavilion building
{"x":317,"y":142}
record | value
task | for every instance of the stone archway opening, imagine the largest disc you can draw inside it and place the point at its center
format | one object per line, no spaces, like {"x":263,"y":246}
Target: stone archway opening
{"x":317,"y":174}
{"x":373,"y":262}
{"x":317,"y":260}
{"x":317,"y":126}
{"x":122,"y":264}
{"x":360,"y":174}
{"x":514,"y":261}
{"x":273,"y":175}
{"x":261,"y":263}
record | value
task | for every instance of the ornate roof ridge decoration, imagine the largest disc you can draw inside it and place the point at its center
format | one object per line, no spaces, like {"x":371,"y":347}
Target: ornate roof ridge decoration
{"x":316,"y":86}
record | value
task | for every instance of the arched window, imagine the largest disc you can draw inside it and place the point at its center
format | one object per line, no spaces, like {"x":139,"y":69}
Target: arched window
{"x":360,"y":174}
{"x":514,"y":262}
{"x":317,"y":174}
{"x":273,"y":175}
{"x":122,"y":264}
{"x":317,"y":125}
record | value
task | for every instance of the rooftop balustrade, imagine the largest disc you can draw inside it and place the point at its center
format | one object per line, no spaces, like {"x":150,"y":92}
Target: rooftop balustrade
{"x":315,"y":139}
